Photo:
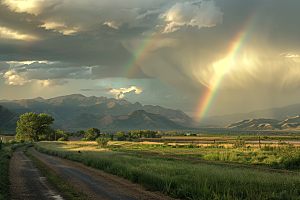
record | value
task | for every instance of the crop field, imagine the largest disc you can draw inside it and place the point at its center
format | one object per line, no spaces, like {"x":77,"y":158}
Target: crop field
{"x":181,"y":178}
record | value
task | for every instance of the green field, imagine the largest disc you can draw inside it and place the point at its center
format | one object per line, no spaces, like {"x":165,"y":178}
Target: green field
{"x":179,"y":178}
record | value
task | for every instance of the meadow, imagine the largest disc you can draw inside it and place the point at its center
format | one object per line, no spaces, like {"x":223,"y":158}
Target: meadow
{"x":178,"y":178}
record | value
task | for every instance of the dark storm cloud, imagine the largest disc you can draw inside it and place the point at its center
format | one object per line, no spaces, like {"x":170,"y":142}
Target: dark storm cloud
{"x":98,"y":39}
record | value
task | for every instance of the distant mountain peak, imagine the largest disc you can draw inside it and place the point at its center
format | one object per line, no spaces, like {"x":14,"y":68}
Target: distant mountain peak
{"x":39,"y":99}
{"x":138,"y":112}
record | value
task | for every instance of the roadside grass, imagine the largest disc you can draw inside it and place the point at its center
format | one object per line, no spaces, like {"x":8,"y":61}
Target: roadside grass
{"x":67,"y":190}
{"x":182,"y":179}
{"x":5,"y":155}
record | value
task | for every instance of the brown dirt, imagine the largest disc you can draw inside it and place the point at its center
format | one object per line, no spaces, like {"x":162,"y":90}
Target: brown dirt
{"x":93,"y":182}
{"x":27,"y":182}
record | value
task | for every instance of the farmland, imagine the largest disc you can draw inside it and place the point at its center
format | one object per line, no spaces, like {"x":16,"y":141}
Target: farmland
{"x":189,"y":179}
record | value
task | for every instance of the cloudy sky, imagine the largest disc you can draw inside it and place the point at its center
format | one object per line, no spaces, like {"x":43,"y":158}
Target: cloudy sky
{"x":209,"y":57}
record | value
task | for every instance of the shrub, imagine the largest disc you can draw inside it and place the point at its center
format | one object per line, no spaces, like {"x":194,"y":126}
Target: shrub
{"x":102,"y":141}
{"x":121,"y":136}
{"x":239,"y":143}
{"x":13,"y":141}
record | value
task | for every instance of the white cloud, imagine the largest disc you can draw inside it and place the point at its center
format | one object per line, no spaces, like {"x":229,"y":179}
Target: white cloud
{"x":112,"y":24}
{"x":60,"y":27}
{"x":120,"y":92}
{"x":14,"y":79}
{"x":34,"y":7}
{"x":289,"y":55}
{"x":200,"y":14}
{"x":45,"y":72}
{"x":11,"y":34}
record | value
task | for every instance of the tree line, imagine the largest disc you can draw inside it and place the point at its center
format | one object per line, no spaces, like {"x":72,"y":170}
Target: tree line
{"x":33,"y":127}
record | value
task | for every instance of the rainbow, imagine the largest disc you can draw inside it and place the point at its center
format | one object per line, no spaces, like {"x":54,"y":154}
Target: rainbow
{"x":224,"y":67}
{"x":140,"y":54}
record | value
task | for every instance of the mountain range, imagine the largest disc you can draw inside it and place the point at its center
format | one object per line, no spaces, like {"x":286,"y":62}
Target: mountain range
{"x":266,"y":124}
{"x":271,"y":113}
{"x":138,"y":119}
{"x":64,"y":108}
{"x":77,"y":112}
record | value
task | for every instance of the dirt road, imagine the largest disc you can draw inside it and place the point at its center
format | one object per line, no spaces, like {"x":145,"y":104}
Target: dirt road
{"x":95,"y":183}
{"x":27,"y":182}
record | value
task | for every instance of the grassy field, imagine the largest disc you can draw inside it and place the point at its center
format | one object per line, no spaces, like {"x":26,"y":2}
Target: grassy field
{"x":268,"y":155}
{"x":180,"y":179}
{"x":5,"y":155}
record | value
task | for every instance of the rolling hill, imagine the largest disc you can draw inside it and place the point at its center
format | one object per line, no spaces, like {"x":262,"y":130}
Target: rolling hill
{"x":138,"y":119}
{"x":8,"y":119}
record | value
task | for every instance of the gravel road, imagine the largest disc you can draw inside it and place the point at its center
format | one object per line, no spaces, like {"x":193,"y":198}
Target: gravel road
{"x":27,"y":182}
{"x":95,"y":183}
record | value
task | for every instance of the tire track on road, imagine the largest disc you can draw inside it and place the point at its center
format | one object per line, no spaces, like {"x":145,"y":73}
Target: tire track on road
{"x":95,"y":183}
{"x":27,"y":182}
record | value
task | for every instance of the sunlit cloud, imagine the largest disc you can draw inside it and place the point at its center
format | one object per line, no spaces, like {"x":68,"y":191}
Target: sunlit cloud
{"x":34,"y":7}
{"x":60,"y":27}
{"x":120,"y":93}
{"x":10,"y":34}
{"x":12,"y":78}
{"x":29,"y":62}
{"x":289,"y":55}
{"x":112,"y":24}
{"x":199,"y":14}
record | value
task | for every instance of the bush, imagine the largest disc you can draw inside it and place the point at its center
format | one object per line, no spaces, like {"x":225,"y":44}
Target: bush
{"x":102,"y":141}
{"x":14,"y":141}
{"x":121,"y":136}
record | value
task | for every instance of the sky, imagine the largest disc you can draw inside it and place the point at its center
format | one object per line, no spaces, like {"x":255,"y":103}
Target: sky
{"x":206,"y":58}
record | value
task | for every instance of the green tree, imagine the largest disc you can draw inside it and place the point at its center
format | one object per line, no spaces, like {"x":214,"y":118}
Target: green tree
{"x":62,"y":135}
{"x":81,"y":132}
{"x":31,"y":126}
{"x":121,"y":136}
{"x":91,"y":134}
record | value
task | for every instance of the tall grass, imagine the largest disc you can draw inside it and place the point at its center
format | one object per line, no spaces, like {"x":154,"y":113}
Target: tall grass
{"x":5,"y":156}
{"x":184,"y":179}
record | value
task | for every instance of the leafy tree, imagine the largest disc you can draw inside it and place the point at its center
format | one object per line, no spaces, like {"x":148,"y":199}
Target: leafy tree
{"x":31,"y":126}
{"x":149,"y":134}
{"x":62,"y":135}
{"x":81,"y":132}
{"x":121,"y":136}
{"x":91,"y":134}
